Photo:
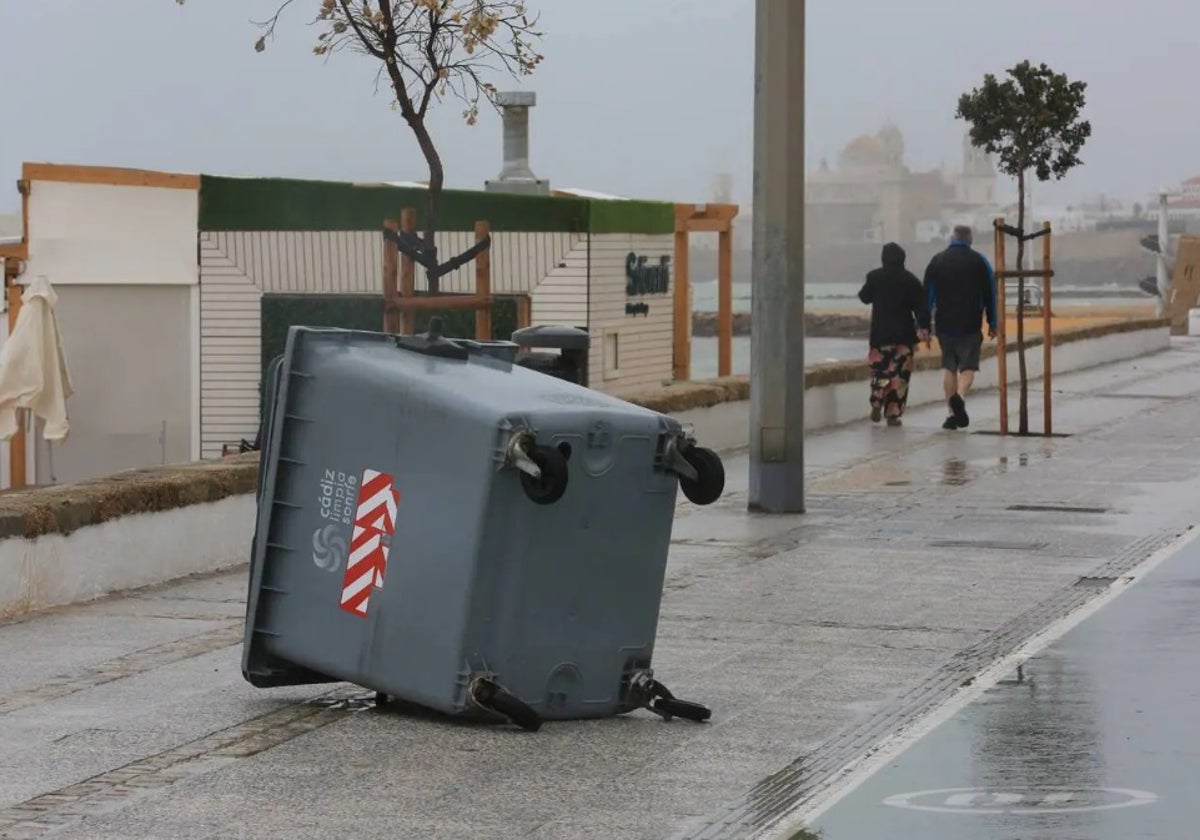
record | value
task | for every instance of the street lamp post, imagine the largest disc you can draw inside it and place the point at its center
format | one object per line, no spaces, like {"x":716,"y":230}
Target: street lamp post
{"x":777,"y":304}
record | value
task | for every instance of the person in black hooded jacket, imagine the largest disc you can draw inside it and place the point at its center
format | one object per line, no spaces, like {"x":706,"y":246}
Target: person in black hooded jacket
{"x":899,"y":319}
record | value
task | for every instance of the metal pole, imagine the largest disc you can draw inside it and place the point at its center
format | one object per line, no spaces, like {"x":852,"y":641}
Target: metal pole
{"x":1164,"y":281}
{"x":777,"y":305}
{"x":1001,"y":323}
{"x":1047,"y":334}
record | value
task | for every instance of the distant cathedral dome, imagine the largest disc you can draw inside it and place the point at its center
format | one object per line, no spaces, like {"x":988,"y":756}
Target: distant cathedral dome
{"x":881,"y":151}
{"x":861,"y":152}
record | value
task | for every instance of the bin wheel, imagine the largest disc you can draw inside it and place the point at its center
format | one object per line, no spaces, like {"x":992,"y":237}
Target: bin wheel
{"x":710,"y":472}
{"x":671,"y":707}
{"x":549,"y":488}
{"x":381,"y":699}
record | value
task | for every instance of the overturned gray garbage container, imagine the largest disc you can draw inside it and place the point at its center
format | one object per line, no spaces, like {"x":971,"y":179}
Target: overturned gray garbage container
{"x":442,"y":526}
{"x":570,"y":363}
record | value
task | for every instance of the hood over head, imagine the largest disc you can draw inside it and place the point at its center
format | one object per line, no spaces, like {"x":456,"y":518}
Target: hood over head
{"x":893,"y":255}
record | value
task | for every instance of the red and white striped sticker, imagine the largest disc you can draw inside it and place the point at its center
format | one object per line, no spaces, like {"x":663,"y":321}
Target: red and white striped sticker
{"x":374,"y":519}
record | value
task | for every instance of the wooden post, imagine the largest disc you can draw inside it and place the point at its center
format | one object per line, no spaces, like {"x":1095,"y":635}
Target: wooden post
{"x":483,"y":285}
{"x":524,"y":311}
{"x":682,"y":366}
{"x":16,"y":444}
{"x":391,"y":268}
{"x":1047,"y":336}
{"x":1001,"y":326}
{"x":725,"y":301}
{"x":408,"y":318}
{"x":17,"y":466}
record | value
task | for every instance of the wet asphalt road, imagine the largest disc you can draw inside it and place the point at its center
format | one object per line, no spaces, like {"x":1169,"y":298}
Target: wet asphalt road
{"x":1101,"y":738}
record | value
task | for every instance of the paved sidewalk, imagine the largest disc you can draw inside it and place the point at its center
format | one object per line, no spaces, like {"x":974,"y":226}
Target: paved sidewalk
{"x":812,"y":637}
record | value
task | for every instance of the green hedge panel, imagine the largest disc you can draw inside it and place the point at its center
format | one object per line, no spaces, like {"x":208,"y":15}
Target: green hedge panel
{"x":643,"y":217}
{"x":283,"y":204}
{"x":270,"y":204}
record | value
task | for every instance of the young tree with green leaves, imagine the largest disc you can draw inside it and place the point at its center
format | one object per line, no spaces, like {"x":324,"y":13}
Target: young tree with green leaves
{"x":427,"y":50}
{"x":1031,"y":122}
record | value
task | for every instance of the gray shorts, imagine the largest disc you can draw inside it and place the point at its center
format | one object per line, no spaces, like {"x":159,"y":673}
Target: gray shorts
{"x":960,"y":352}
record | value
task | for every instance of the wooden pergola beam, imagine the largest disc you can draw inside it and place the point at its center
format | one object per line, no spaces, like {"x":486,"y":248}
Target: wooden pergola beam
{"x":703,"y":218}
{"x":1028,"y":274}
{"x":706,"y":212}
{"x":427,"y":302}
{"x":108,"y":176}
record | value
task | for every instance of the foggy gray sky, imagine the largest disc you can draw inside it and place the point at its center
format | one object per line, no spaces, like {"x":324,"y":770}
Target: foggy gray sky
{"x":644,"y":98}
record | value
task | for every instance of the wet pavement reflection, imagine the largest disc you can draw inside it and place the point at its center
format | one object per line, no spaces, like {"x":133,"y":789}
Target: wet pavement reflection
{"x":1094,"y":738}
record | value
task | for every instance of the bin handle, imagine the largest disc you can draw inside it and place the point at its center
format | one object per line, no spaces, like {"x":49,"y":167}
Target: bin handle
{"x":489,"y":695}
{"x":674,"y":460}
{"x":648,"y":693}
{"x":517,"y":454}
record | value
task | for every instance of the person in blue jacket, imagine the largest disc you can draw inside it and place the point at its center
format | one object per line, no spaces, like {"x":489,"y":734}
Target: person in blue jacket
{"x":960,"y":289}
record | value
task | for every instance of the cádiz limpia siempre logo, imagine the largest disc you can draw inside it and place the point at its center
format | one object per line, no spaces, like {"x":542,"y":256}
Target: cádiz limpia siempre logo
{"x":367,"y":505}
{"x":329,"y":548}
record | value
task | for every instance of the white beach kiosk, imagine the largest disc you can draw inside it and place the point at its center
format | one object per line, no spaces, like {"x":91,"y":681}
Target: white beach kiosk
{"x":174,"y":288}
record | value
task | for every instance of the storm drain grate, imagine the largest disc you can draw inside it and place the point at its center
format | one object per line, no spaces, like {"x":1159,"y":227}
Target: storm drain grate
{"x":999,"y":545}
{"x":1052,"y":508}
{"x":1095,"y":581}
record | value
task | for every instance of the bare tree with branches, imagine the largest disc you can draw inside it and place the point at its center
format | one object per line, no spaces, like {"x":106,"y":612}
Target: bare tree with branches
{"x":429,"y":50}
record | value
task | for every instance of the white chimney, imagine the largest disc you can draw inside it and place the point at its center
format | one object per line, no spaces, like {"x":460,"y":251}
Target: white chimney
{"x":516,"y":176}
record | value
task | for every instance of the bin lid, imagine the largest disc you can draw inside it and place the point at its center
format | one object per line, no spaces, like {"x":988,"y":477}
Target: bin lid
{"x":547,"y":335}
{"x":433,"y":343}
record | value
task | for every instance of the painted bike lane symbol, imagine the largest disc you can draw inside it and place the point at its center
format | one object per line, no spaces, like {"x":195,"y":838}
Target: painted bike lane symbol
{"x":1033,"y":801}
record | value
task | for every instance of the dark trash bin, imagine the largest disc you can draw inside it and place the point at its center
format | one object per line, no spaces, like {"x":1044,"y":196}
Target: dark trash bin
{"x":571,"y":363}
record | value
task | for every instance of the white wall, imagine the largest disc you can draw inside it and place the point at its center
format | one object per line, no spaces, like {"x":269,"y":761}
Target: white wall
{"x":121,"y":554}
{"x":351,"y":261}
{"x":122,"y":260}
{"x":113,"y":235}
{"x":644,"y":343}
{"x":128,"y":353}
{"x":727,"y":425}
{"x":238,"y":267}
{"x":561,"y":298}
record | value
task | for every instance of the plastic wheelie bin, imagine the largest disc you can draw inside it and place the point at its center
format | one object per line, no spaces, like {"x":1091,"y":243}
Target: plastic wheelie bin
{"x":445,"y":527}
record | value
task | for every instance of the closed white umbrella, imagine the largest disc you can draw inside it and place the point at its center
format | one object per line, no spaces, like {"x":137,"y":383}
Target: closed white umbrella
{"x":33,"y":367}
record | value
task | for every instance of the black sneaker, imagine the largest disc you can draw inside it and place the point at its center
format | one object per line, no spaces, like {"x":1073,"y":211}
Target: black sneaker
{"x":950,"y":424}
{"x":959,"y":407}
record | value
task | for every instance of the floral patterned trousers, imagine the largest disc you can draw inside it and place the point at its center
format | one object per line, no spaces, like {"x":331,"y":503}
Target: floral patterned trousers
{"x":891,"y":368}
